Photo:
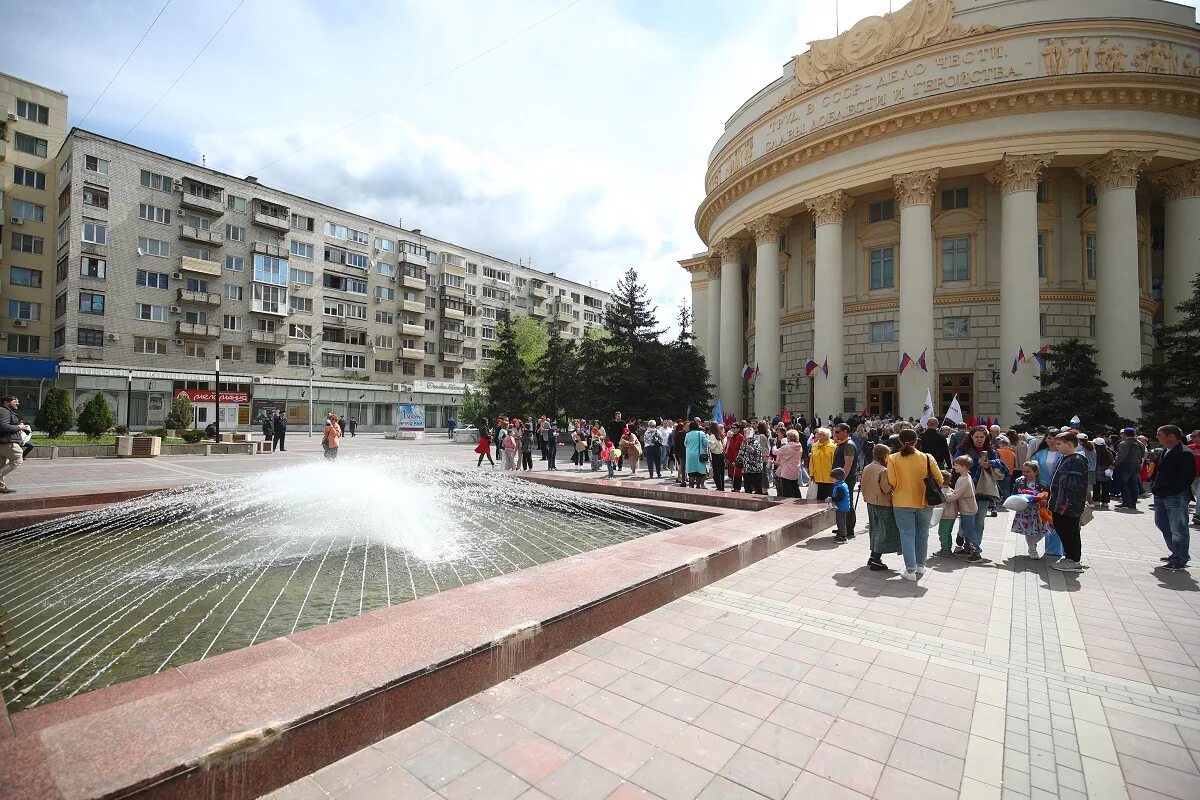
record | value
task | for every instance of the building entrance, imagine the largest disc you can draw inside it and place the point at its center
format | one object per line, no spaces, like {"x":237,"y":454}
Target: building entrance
{"x":957,"y":383}
{"x":881,"y":395}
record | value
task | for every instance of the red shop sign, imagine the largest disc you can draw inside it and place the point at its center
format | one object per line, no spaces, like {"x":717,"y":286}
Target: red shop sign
{"x":207,"y":396}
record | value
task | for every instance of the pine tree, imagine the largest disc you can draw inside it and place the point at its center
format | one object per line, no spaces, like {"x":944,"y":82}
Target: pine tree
{"x":589,"y":389}
{"x":1071,"y":386}
{"x":554,"y":374}
{"x":507,"y":380}
{"x":180,"y":415}
{"x":56,"y":416}
{"x":631,"y":320}
{"x":96,"y":418}
{"x":1169,"y":390}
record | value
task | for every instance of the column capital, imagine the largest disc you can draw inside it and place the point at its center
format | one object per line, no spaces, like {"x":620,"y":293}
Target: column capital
{"x":767,"y":228}
{"x":1116,"y":169}
{"x":829,"y":209}
{"x":1178,"y":182}
{"x":1019,"y":173}
{"x":916,"y":188}
{"x":714,"y":266}
{"x":729,"y":250}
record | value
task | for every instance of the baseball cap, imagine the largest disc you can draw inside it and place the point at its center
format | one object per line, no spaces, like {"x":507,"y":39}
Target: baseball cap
{"x":1129,"y":431}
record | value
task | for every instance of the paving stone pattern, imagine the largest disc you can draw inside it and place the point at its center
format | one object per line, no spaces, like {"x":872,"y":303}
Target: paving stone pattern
{"x":807,"y":676}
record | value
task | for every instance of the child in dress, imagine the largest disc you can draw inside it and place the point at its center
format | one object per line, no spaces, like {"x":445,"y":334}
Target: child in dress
{"x":960,"y":501}
{"x":609,"y":455}
{"x":1030,"y":522}
{"x":840,"y":500}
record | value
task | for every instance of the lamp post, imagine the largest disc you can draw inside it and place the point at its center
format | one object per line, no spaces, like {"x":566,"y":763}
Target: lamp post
{"x":313,"y":341}
{"x":217,"y":394}
{"x":129,"y":400}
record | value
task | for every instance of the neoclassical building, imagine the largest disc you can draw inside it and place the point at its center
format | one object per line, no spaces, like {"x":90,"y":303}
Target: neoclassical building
{"x":965,"y":181}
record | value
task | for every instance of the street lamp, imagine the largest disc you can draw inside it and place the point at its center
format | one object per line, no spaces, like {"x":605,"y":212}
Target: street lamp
{"x":313,"y":341}
{"x":217,"y":394}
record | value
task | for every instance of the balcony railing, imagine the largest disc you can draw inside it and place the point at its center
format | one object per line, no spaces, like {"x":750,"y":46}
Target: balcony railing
{"x":201,"y":203}
{"x":414,"y":306}
{"x":452,"y":358}
{"x":538,"y":311}
{"x":453,"y":336}
{"x":540,"y":292}
{"x":453,"y":313}
{"x":411,"y":354}
{"x":417,"y":282}
{"x":411,"y":330}
{"x":273,"y":250}
{"x":565,"y":317}
{"x":198,"y":331}
{"x":203,"y":235}
{"x":275,"y":223}
{"x":202,"y":265}
{"x":452,"y":291}
{"x":276,"y":338}
{"x":200,"y":298}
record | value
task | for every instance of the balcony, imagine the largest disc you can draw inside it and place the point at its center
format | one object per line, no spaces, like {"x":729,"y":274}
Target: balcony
{"x":201,"y":203}
{"x":453,"y":313}
{"x":414,"y":306}
{"x":539,"y":292}
{"x":201,"y":265}
{"x":451,"y":269}
{"x":275,"y":338}
{"x":3,"y":149}
{"x":200,"y":298}
{"x":565,"y":317}
{"x":411,"y":354}
{"x":201,"y":235}
{"x":283,"y":223}
{"x":538,"y":311}
{"x":417,"y":282}
{"x":453,"y":291}
{"x":452,"y":358}
{"x":453,"y":336}
{"x":411,"y":330}
{"x":273,"y":250}
{"x":198,"y":331}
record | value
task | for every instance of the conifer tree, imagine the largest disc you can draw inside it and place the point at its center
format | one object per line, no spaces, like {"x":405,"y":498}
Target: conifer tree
{"x":56,"y":416}
{"x":554,"y":373}
{"x":96,"y":417}
{"x":1071,"y":386}
{"x":631,"y":320}
{"x":507,"y":380}
{"x":1169,"y":390}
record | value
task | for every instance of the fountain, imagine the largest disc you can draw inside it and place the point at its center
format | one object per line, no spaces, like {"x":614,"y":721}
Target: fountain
{"x":130,"y":590}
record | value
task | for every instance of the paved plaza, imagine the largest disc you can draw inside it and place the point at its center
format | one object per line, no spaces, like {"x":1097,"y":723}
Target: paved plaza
{"x":808,"y":676}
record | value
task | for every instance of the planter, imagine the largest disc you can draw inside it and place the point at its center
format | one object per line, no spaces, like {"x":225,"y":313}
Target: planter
{"x":138,"y":446}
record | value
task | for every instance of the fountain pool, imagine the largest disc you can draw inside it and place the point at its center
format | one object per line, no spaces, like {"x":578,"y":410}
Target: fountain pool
{"x":105,"y":596}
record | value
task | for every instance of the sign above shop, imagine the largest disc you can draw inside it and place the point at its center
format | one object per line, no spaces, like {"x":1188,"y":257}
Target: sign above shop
{"x":208,"y":396}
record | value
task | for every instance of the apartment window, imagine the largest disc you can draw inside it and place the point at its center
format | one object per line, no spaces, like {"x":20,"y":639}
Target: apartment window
{"x":60,"y":306}
{"x":160,"y":183}
{"x":263,"y":355}
{"x":91,"y":303}
{"x":31,"y":212}
{"x":1042,"y":324}
{"x":408,"y":368}
{"x":431,"y":348}
{"x":472,"y":269}
{"x":97,"y":198}
{"x":340,"y":308}
{"x":448,"y":373}
{"x":430,"y":371}
{"x":30,"y":144}
{"x":235,"y":263}
{"x":89,"y":337}
{"x":299,"y":331}
{"x":24,"y":343}
{"x":430,"y":302}
{"x":230,"y":322}
{"x":386,"y":270}
{"x":956,"y":259}
{"x":150,"y":313}
{"x":430,"y":325}
{"x":235,"y":233}
{"x":60,"y":337}
{"x":154,"y":213}
{"x":408,"y":344}
{"x":194,"y":350}
{"x":195,"y":317}
{"x":956,"y":198}
{"x":883,"y":267}
{"x":488,"y":334}
{"x":385,"y":366}
{"x":883,"y":331}
{"x":152,"y":280}
{"x":302,"y":249}
{"x":385,"y":293}
{"x":29,"y":177}
{"x":384,"y":317}
{"x":269,"y":299}
{"x":196,"y":285}
{"x":341,"y":283}
{"x":64,"y":205}
{"x":235,"y":203}
{"x":386,"y":342}
{"x":233,"y":291}
{"x":24,"y":243}
{"x":96,"y":165}
{"x":265,"y":325}
{"x":300,"y":304}
{"x":268,"y":269}
{"x":154,"y":247}
{"x":302,"y":276}
{"x":297,"y":359}
{"x":33,"y":112}
{"x":150,"y":346}
{"x":95,"y":232}
{"x":468,"y":374}
{"x":472,"y":290}
{"x":302,"y":223}
{"x":231,"y":352}
{"x":1041,"y":241}
{"x":1089,"y":249}
{"x":20,"y":276}
{"x":202,"y":253}
{"x":358,"y":260}
{"x":60,"y":270}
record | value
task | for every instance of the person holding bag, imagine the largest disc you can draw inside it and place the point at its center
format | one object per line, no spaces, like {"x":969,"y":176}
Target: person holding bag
{"x":916,"y":487}
{"x":1068,"y":499}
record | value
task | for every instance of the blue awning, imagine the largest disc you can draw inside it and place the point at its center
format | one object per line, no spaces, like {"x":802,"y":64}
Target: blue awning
{"x":28,"y":367}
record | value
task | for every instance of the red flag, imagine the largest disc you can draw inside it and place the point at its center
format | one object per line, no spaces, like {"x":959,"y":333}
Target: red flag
{"x":905,"y":360}
{"x":825,"y":367}
{"x":921,"y":361}
{"x":810,"y":367}
{"x":787,"y":418}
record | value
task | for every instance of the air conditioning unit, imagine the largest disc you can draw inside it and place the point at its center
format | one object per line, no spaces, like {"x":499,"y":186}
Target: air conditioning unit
{"x":179,"y":342}
{"x":3,"y":336}
{"x":113,"y":337}
{"x":12,"y":116}
{"x":175,"y":310}
{"x":20,"y":323}
{"x":178,"y":184}
{"x":392,"y":278}
{"x":17,"y":221}
{"x":258,"y":379}
{"x":177,"y":276}
{"x":297,"y":285}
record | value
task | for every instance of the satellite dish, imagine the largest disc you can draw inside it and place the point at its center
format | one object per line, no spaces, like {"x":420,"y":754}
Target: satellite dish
{"x":141,"y":252}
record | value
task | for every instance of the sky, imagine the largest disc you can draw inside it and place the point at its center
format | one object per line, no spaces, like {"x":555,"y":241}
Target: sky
{"x":569,"y":134}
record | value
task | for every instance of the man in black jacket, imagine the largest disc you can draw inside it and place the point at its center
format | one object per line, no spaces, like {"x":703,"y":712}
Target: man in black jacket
{"x":280,"y":431}
{"x":1172,"y":488}
{"x":932,"y":443}
{"x":11,"y":428}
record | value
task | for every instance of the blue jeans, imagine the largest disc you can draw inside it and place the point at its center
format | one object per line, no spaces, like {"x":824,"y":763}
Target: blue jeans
{"x":970,"y":532}
{"x":985,"y":505}
{"x":1128,"y":481}
{"x":914,"y":534}
{"x":1171,"y":517}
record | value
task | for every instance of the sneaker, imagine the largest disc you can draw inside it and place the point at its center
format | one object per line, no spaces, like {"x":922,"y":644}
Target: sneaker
{"x":876,"y":566}
{"x":839,"y":539}
{"x":850,"y":535}
{"x":921,"y":570}
{"x":974,"y":558}
{"x":1067,"y":565}
{"x":992,"y":513}
{"x":908,"y":575}
{"x":1174,"y":566}
{"x":961,"y":551}
{"x":1033,"y":553}
{"x":944,"y":554}
{"x":1167,"y":558}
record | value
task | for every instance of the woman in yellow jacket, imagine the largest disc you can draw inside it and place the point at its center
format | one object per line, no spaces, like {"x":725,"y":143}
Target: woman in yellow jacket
{"x":906,"y":472}
{"x":820,"y":462}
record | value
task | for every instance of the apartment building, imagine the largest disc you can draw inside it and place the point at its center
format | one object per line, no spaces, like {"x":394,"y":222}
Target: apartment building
{"x":161,"y":266}
{"x":33,"y":123}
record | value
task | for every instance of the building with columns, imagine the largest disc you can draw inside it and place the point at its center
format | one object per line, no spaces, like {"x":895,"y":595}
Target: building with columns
{"x":962,"y":182}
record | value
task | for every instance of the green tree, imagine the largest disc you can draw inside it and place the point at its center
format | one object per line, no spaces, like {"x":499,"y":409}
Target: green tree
{"x":56,"y":416}
{"x":686,"y":385}
{"x":631,"y":320}
{"x":1169,"y":390}
{"x":474,"y":404}
{"x":96,"y":418}
{"x":180,"y":415}
{"x":589,"y":386}
{"x":507,"y":381}
{"x":554,"y":374}
{"x":532,"y":339}
{"x":1071,"y":386}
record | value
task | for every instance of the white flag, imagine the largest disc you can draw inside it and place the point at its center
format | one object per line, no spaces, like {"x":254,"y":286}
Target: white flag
{"x":927,"y":411}
{"x":954,"y":412}
{"x":1075,"y":420}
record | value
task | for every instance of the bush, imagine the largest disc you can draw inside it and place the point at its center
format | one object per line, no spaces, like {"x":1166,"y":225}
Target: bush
{"x":180,"y":415}
{"x":55,"y":417}
{"x":159,"y":432}
{"x":192,"y":437}
{"x":96,"y":418}
{"x":121,"y":430}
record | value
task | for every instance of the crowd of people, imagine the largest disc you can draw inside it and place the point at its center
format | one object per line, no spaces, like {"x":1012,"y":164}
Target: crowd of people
{"x":912,"y":477}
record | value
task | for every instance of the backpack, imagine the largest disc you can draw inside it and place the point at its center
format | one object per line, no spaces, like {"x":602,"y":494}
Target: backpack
{"x":656,"y":438}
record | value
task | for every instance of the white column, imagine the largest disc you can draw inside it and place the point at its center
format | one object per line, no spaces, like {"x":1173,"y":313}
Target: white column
{"x":1118,"y":292}
{"x":829,"y":211}
{"x":712,"y":325}
{"x":733,"y":327}
{"x":767,"y":230}
{"x":699,"y":312}
{"x":1020,"y":289}
{"x":914,"y":195}
{"x":1181,"y":257}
